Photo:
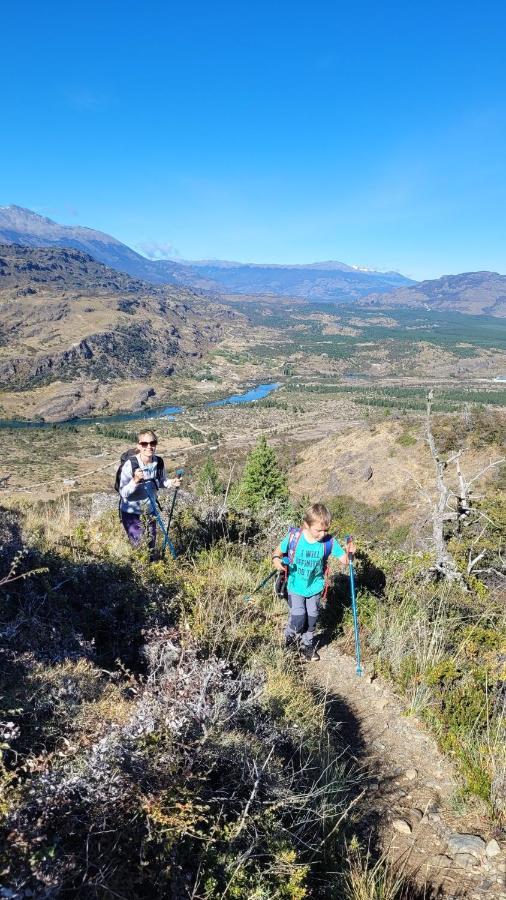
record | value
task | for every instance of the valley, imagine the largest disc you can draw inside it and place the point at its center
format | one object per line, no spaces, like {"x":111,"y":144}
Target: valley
{"x":93,"y":631}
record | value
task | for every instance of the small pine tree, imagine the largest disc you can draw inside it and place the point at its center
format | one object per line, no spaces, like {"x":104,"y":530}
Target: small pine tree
{"x":262,"y":479}
{"x":209,"y":479}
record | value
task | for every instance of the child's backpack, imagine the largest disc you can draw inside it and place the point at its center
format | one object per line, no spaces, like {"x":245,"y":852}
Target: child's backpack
{"x":131,"y":454}
{"x":281,"y":582}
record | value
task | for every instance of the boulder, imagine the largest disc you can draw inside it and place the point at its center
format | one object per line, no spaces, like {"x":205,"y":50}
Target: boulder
{"x":402,"y":826}
{"x":462,"y":844}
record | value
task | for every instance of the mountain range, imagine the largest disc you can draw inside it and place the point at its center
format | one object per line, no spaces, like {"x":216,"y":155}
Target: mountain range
{"x":475,"y":293}
{"x":479,"y":293}
{"x":316,"y":281}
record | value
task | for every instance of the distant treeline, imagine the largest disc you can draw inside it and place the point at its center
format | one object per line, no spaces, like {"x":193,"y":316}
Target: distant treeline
{"x":406,"y":397}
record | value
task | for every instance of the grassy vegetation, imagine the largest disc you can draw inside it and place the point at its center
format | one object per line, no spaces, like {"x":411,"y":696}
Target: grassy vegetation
{"x":444,"y":651}
{"x":157,"y":741}
{"x":442,"y":646}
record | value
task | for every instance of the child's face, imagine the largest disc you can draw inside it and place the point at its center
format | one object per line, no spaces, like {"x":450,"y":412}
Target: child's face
{"x":317,"y":530}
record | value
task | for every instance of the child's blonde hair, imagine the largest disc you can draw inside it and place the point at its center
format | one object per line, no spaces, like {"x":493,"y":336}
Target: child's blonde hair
{"x":317,"y":512}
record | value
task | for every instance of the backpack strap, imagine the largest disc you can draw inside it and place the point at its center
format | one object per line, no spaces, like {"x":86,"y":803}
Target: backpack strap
{"x":327,"y":550}
{"x":293,"y":540}
{"x":159,"y":469}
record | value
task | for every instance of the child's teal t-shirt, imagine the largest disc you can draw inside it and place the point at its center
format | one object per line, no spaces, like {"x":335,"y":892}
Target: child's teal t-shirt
{"x":305,"y":576}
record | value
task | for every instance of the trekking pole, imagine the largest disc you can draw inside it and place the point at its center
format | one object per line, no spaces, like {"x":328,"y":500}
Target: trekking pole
{"x":156,"y":513}
{"x":261,"y":585}
{"x":354,"y":609}
{"x":179,"y":474}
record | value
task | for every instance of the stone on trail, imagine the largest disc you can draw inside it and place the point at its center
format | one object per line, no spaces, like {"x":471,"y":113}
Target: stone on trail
{"x":411,"y":774}
{"x":492,"y":848}
{"x":439,"y":861}
{"x":416,"y":816}
{"x":466,"y":843}
{"x":465,"y":860}
{"x":402,"y":826}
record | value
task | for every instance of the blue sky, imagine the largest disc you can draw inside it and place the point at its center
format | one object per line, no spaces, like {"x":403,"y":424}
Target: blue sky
{"x":269,"y":132}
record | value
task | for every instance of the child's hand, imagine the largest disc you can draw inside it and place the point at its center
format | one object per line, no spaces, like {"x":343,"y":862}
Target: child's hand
{"x":350,"y":547}
{"x":277,"y":562}
{"x":175,"y":482}
{"x":138,"y":476}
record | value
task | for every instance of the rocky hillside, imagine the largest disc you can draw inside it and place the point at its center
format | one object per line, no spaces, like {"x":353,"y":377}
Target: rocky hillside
{"x":316,"y":281}
{"x":476,"y":293}
{"x":65,"y":317}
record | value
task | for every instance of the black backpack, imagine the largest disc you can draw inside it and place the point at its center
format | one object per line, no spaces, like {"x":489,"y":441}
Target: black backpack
{"x":132,"y":456}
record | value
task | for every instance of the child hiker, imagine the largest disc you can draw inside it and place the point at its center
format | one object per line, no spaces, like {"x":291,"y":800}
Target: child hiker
{"x":137,"y":471}
{"x":308,"y":550}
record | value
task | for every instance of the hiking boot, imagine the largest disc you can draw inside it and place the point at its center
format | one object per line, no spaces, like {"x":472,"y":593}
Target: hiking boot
{"x":290,"y":641}
{"x":310,"y":654}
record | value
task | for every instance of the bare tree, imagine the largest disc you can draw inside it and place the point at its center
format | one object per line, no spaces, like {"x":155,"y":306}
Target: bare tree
{"x":444,"y":566}
{"x":452,"y":506}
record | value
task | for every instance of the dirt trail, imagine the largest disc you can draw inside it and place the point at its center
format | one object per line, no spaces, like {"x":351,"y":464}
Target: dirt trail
{"x":410,"y":801}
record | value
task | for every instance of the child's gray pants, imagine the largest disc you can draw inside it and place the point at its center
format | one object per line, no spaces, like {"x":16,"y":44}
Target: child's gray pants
{"x":303,"y":617}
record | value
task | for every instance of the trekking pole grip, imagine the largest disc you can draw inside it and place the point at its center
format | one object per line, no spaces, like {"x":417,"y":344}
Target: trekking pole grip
{"x":348,"y":539}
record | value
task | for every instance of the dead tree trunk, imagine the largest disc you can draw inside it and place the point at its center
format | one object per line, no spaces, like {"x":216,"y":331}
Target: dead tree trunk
{"x":444,"y":566}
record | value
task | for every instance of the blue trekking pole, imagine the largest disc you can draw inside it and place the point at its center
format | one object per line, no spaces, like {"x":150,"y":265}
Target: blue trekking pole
{"x":179,"y":474}
{"x":156,"y":512}
{"x":359,"y":670}
{"x":259,"y":587}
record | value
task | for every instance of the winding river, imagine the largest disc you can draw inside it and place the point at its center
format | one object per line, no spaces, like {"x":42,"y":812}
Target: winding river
{"x":163,"y":412}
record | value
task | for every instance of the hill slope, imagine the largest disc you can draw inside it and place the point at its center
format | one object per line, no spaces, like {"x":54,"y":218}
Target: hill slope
{"x":318,"y":281}
{"x":477,"y":293}
{"x":22,"y":226}
{"x":64,"y":316}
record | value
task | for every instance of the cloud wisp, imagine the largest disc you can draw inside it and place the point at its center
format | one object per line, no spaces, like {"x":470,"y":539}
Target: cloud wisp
{"x":158,"y":250}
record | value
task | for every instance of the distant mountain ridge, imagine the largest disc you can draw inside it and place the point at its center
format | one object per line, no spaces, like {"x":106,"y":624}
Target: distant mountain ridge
{"x":474,"y":293}
{"x":22,"y":226}
{"x":316,"y":281}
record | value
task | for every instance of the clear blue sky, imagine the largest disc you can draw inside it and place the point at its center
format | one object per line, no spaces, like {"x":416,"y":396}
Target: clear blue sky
{"x":372,"y":133}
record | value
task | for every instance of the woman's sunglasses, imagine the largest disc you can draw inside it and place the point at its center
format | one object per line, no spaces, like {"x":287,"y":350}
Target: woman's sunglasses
{"x":148,"y":443}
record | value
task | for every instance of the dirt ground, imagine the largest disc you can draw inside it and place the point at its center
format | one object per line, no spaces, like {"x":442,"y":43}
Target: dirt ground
{"x":409,"y":807}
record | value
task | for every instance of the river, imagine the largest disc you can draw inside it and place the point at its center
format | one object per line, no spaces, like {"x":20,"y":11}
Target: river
{"x":163,"y":412}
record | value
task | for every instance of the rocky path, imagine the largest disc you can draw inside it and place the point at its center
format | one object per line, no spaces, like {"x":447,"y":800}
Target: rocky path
{"x":410,"y":803}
